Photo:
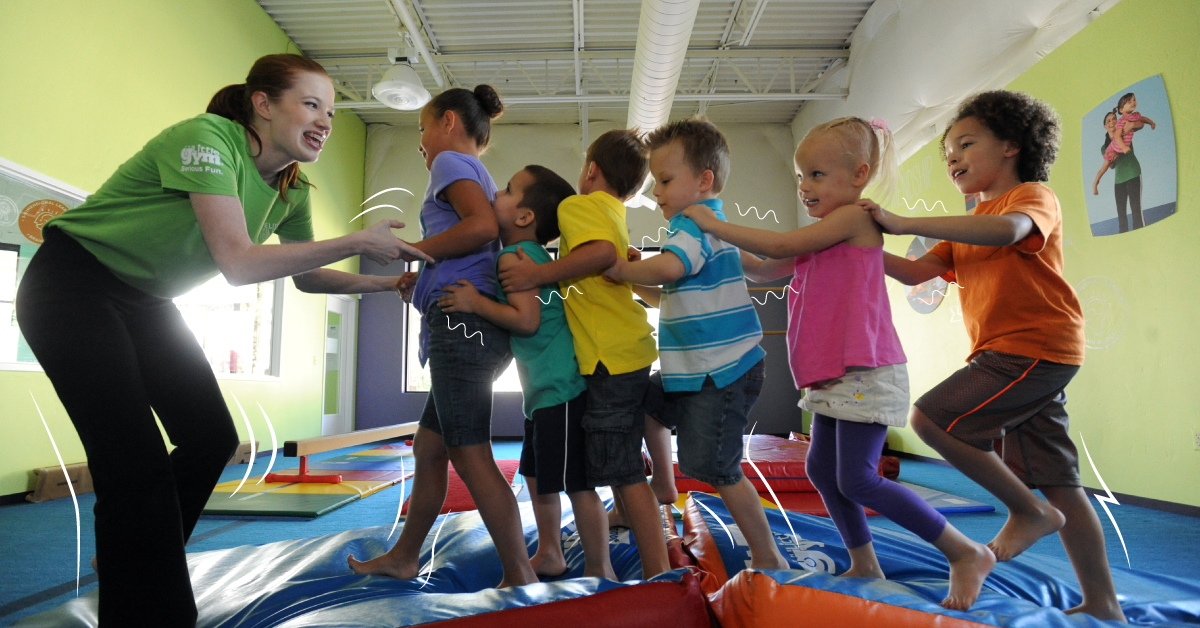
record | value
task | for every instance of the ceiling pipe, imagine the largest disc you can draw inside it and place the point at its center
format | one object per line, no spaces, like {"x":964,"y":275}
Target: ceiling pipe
{"x":664,"y":29}
{"x":411,"y":26}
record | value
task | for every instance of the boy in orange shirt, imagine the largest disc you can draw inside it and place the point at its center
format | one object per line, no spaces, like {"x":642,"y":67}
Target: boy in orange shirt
{"x":1026,"y":329}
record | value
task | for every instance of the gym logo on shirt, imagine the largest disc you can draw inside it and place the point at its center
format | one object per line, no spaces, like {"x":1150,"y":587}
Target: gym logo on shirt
{"x":194,"y":158}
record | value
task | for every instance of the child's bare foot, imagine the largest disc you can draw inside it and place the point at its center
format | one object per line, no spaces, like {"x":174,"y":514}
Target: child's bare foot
{"x":616,"y":517}
{"x":506,"y":583}
{"x":547,"y":566}
{"x":94,"y":568}
{"x":663,"y":485}
{"x":1111,"y":612}
{"x":967,"y":573}
{"x":1022,"y":531}
{"x":775,"y":560}
{"x":603,"y":572}
{"x":872,"y":572}
{"x":385,"y":565}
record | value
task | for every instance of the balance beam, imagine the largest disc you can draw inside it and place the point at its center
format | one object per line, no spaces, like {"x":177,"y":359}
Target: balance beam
{"x":305,"y":447}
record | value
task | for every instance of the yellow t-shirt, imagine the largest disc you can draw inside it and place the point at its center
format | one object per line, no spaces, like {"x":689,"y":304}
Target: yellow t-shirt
{"x":607,"y":324}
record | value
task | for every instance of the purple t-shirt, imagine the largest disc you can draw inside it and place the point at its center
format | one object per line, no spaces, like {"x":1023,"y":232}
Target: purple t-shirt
{"x":437,"y":215}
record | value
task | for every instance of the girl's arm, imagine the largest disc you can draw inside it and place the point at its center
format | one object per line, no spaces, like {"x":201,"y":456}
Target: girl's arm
{"x":1150,"y":122}
{"x":223,"y":224}
{"x":912,"y":272}
{"x":983,"y":230}
{"x":476,"y":227}
{"x":842,"y":224}
{"x":761,"y":270}
{"x":656,"y":271}
{"x":650,"y":294}
{"x":522,"y":315}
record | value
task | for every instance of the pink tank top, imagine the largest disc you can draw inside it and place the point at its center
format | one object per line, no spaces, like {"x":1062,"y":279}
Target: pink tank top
{"x":839,"y":315}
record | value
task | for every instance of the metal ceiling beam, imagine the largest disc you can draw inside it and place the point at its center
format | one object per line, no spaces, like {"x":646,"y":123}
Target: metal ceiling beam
{"x":585,"y":55}
{"x":418,"y":41}
{"x":624,"y":98}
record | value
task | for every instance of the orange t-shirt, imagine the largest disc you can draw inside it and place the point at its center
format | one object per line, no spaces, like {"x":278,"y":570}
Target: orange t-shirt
{"x":1014,"y":298}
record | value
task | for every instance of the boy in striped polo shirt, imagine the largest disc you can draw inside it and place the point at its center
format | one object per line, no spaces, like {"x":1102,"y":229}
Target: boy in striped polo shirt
{"x":712,"y":366}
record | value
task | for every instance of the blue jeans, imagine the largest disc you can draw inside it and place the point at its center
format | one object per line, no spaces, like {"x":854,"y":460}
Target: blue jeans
{"x":710,"y":424}
{"x":466,"y":355}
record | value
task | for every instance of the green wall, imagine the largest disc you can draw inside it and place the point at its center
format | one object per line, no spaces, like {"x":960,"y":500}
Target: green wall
{"x":1136,"y":402}
{"x":85,"y":85}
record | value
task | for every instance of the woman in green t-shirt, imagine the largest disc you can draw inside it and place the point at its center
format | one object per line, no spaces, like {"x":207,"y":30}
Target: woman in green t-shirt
{"x":95,"y":306}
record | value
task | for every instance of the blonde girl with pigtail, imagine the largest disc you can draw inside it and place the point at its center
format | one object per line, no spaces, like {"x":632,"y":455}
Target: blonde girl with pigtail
{"x":843,"y":348}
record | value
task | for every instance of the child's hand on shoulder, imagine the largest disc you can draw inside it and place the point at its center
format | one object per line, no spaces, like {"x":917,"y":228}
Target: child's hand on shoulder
{"x":519,"y":276}
{"x":889,"y":222}
{"x":613,"y":273}
{"x":460,"y":297}
{"x":701,"y":214}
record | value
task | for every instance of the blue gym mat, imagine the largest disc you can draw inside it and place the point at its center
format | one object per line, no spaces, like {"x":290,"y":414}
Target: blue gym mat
{"x":1028,"y":591}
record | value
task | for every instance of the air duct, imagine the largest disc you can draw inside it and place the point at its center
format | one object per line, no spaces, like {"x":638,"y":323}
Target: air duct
{"x":664,"y":30}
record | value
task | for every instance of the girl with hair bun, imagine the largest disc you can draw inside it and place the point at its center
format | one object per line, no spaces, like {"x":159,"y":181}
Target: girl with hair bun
{"x":95,"y":306}
{"x":464,"y":351}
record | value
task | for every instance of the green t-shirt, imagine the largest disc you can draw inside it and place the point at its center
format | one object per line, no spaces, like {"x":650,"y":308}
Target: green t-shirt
{"x":141,"y":224}
{"x":1127,"y":167}
{"x":546,"y":360}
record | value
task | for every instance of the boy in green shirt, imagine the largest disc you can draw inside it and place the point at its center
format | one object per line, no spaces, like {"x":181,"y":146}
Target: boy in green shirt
{"x":612,"y":335}
{"x":553,"y":458}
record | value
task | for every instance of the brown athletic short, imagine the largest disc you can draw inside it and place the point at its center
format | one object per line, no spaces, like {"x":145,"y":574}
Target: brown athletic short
{"x":1017,"y":399}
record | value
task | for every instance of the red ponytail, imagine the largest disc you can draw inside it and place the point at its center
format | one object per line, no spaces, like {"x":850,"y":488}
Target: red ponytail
{"x":273,"y":75}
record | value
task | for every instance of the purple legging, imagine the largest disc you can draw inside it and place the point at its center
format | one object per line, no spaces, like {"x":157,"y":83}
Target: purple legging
{"x":843,"y":463}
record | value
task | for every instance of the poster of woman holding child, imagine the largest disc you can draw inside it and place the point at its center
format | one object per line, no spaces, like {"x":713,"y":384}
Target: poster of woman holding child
{"x":1129,"y":143}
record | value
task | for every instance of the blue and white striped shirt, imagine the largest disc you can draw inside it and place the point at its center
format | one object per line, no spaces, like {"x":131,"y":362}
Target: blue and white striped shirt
{"x":707,"y":325}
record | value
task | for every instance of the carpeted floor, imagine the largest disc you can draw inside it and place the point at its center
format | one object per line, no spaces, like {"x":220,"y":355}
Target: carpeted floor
{"x":37,"y":543}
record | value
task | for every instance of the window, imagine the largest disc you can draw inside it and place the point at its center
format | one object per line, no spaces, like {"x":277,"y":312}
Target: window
{"x":11,"y":344}
{"x":238,"y":327}
{"x":418,"y":379}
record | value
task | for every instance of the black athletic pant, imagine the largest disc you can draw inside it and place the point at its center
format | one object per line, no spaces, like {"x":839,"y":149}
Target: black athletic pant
{"x":1129,"y":193}
{"x":114,"y":353}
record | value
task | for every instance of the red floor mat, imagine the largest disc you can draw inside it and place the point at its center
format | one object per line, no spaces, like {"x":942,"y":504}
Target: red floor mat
{"x":458,"y":498}
{"x":782,"y":463}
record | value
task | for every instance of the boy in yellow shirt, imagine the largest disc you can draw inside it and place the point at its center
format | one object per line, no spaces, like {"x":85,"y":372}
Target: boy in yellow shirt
{"x":612,"y":335}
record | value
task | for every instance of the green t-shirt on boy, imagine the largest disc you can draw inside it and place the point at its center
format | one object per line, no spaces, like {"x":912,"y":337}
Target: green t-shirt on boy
{"x":141,"y":224}
{"x":546,"y":360}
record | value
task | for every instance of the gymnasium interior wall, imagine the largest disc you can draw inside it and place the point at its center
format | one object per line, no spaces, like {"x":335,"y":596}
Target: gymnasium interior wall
{"x":1134,"y":403}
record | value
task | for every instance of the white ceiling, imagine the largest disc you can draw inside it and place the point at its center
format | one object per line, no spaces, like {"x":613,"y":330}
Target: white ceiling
{"x":758,"y":58}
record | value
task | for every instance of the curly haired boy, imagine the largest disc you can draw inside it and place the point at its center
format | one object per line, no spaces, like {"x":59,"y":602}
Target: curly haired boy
{"x":1026,"y":330}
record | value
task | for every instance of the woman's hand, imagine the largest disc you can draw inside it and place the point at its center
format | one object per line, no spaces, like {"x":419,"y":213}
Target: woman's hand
{"x":633,"y":255}
{"x":405,"y":284}
{"x":460,"y":297}
{"x":702,"y":215}
{"x":379,"y":245}
{"x":889,"y":222}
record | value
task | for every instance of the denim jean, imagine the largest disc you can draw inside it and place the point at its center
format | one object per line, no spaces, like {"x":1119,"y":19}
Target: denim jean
{"x":710,"y":423}
{"x":466,"y":355}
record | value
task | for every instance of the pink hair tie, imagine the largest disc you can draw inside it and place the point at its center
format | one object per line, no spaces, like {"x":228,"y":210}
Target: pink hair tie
{"x":880,"y":124}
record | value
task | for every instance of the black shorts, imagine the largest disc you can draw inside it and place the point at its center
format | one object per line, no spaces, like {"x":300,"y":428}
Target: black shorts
{"x":1015,"y":398}
{"x":554,"y":451}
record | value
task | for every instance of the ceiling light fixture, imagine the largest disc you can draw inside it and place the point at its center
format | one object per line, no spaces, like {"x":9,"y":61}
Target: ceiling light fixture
{"x":400,"y":87}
